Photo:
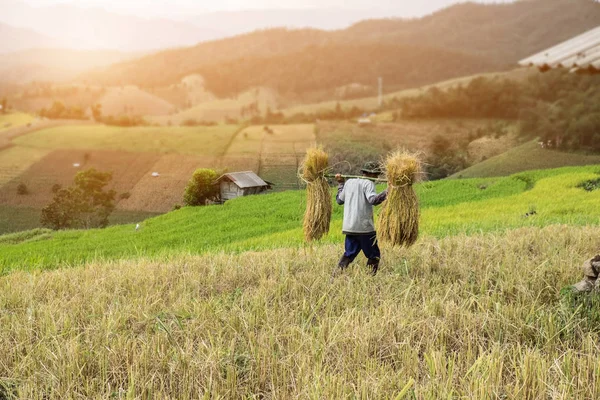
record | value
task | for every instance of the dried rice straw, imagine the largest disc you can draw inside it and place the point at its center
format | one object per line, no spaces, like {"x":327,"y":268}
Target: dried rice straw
{"x":398,"y":222}
{"x":317,"y":217}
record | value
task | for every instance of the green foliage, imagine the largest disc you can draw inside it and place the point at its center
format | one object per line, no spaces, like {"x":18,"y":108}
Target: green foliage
{"x":480,"y":98}
{"x":60,"y":111}
{"x":444,"y":158}
{"x":590,"y":185}
{"x":201,"y":188}
{"x":84,"y":205}
{"x":56,"y":187}
{"x":561,"y":109}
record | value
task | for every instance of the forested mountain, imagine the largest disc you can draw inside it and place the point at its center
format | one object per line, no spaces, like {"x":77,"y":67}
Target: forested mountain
{"x":465,"y":38}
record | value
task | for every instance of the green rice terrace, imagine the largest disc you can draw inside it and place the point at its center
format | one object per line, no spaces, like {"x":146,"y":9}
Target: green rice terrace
{"x":449,"y":207}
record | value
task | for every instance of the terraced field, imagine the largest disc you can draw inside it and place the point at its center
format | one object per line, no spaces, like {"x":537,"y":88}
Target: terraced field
{"x":13,"y":120}
{"x":208,"y":141}
{"x":16,"y":160}
{"x":58,"y":168}
{"x":160,"y":194}
{"x":44,"y":156}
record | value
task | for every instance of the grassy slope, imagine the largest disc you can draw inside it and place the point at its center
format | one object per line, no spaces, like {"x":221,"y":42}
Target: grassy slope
{"x":528,"y":156}
{"x":462,"y":317}
{"x":273,"y":221}
{"x":17,"y":219}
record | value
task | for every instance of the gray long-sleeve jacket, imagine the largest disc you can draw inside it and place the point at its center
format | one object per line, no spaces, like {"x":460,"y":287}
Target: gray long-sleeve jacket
{"x":359,"y":196}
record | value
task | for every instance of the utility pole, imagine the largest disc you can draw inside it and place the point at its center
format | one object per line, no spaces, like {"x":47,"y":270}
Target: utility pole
{"x":380,"y":92}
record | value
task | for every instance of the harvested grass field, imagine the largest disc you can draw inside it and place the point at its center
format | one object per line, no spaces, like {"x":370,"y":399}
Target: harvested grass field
{"x":449,"y":207}
{"x":16,"y":160}
{"x":209,"y":141}
{"x":160,"y":194}
{"x":529,"y":156}
{"x":13,"y":120}
{"x":469,"y":317}
{"x":57,"y":168}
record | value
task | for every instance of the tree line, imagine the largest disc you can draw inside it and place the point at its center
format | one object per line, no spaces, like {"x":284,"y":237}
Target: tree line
{"x":560,"y":108}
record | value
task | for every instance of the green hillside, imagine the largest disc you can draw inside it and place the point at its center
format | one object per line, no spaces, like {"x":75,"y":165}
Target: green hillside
{"x":274,"y":221}
{"x":529,"y":156}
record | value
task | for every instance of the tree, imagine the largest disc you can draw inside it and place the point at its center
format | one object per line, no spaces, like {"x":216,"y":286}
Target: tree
{"x":22,"y":189}
{"x":86,"y":204}
{"x":97,"y":112}
{"x":201,"y":188}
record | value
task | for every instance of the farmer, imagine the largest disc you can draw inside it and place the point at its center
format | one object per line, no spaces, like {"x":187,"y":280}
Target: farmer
{"x":359,"y":197}
{"x":591,"y":270}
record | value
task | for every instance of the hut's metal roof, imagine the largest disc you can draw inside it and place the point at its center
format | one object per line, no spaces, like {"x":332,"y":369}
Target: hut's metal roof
{"x":243,"y":180}
{"x":579,"y":54}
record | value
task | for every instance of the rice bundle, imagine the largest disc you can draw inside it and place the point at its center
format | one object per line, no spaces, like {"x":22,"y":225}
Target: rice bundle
{"x":398,"y":222}
{"x":318,"y":196}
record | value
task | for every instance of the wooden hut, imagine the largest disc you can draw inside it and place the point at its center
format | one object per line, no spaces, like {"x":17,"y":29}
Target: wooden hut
{"x":238,"y":184}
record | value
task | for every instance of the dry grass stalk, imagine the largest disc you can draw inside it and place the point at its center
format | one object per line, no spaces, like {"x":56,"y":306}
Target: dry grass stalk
{"x":317,"y":217}
{"x":398,"y":222}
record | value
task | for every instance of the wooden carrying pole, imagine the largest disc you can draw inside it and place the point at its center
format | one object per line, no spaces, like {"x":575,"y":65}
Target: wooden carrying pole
{"x":358,"y":177}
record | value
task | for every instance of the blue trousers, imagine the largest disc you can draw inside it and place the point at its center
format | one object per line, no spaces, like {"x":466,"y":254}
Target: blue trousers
{"x":354,"y":244}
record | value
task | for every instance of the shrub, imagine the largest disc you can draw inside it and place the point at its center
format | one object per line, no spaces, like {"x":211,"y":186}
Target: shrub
{"x":22,"y":189}
{"x":201,"y":188}
{"x":56,"y":187}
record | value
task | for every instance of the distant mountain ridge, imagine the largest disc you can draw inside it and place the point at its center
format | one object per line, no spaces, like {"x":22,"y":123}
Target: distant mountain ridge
{"x":94,"y":29}
{"x":13,"y":39}
{"x":483,"y":37}
{"x":55,"y":65}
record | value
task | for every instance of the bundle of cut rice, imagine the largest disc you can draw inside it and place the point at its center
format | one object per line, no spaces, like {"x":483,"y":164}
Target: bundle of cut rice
{"x":317,"y":217}
{"x":398,"y":222}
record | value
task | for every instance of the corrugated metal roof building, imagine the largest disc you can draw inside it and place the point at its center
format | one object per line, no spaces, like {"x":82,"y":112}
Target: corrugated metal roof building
{"x":580,"y":54}
{"x":238,"y":184}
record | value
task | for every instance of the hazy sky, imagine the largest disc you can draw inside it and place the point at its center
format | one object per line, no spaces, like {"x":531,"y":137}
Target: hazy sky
{"x":166,"y":8}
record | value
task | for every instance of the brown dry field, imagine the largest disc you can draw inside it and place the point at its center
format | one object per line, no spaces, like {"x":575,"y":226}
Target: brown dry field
{"x":160,"y":194}
{"x":57,"y":168}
